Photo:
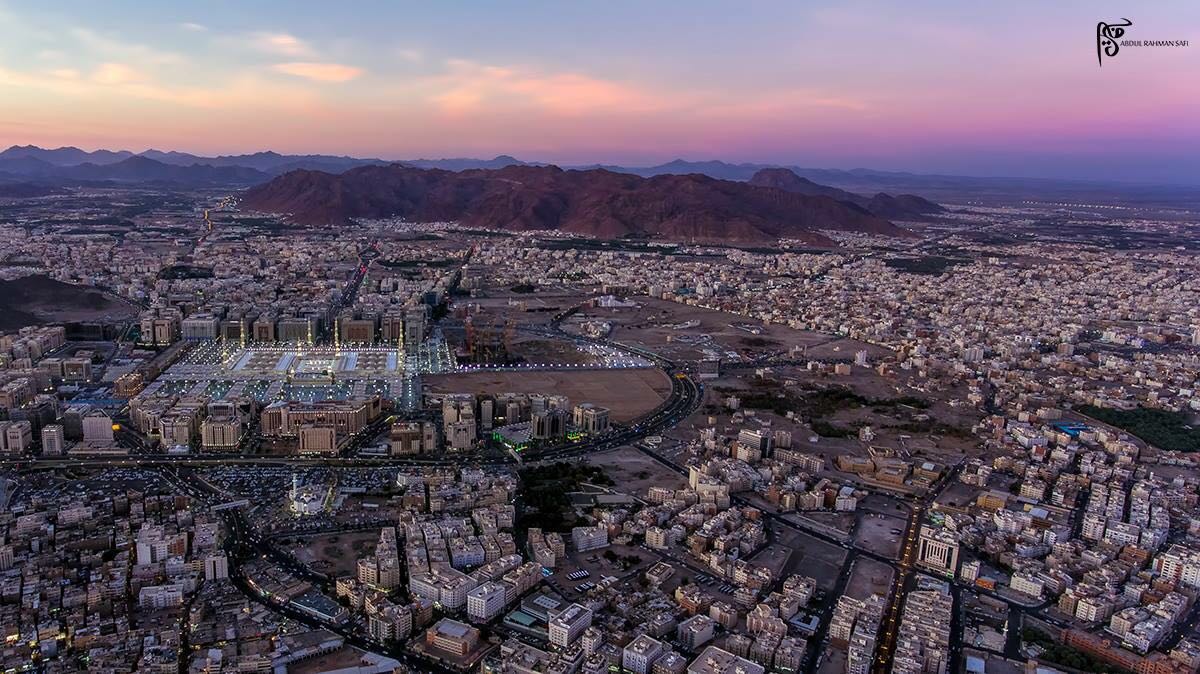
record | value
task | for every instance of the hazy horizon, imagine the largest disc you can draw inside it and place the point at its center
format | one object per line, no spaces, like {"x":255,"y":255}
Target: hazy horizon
{"x":937,"y":88}
{"x":628,"y":165}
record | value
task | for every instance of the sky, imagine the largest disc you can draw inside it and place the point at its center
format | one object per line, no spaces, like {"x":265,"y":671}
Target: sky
{"x":994,"y":88}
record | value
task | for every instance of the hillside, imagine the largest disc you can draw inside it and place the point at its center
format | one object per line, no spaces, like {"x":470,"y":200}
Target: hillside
{"x":900,"y":207}
{"x":592,"y":202}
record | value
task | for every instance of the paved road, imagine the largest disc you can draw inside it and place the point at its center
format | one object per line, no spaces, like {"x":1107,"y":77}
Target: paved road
{"x":346,"y":298}
{"x":906,"y":571}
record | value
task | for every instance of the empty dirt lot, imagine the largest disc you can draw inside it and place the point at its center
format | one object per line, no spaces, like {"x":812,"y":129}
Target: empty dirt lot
{"x":634,"y":472}
{"x":869,"y":577}
{"x":812,"y":557}
{"x":336,"y":554}
{"x":627,"y":393}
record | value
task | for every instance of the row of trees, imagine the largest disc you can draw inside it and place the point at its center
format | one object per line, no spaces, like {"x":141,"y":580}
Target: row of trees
{"x":1162,"y":428}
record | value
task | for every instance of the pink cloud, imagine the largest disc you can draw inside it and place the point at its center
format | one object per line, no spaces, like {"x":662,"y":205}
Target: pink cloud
{"x":469,"y":87}
{"x":280,"y":43}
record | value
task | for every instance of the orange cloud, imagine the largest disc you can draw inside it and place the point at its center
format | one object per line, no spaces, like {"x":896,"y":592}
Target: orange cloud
{"x":65,"y":73}
{"x":116,"y":82}
{"x":116,"y":74}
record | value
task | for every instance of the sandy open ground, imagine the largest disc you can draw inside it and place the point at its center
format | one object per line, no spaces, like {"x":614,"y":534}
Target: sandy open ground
{"x":344,"y":658}
{"x":627,"y":393}
{"x":634,"y":472}
{"x":659,"y":325}
{"x":875,"y":533}
{"x":336,"y":554}
{"x":812,"y":557}
{"x":869,"y":577}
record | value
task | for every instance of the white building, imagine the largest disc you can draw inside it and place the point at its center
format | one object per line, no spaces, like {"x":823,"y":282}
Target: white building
{"x":160,"y":596}
{"x":486,"y":601}
{"x":1027,"y":584}
{"x":308,"y":499}
{"x":569,"y":624}
{"x":695,"y":631}
{"x":53,"y":442}
{"x":937,"y":550}
{"x":589,"y":538}
{"x":641,"y":653}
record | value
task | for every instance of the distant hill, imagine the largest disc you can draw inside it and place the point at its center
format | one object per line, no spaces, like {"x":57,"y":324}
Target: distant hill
{"x":142,"y":169}
{"x":464,"y":164}
{"x":901,"y":207}
{"x":29,"y":167}
{"x":65,"y":156}
{"x":593,"y":202}
{"x":35,"y":300}
{"x":132,"y":169}
{"x":271,"y":163}
{"x":786,"y":179}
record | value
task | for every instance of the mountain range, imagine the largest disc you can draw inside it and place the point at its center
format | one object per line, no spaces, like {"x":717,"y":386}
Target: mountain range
{"x":594,"y":202}
{"x":135,"y":169}
{"x":262,"y":166}
{"x":34,"y":161}
{"x":266,"y":162}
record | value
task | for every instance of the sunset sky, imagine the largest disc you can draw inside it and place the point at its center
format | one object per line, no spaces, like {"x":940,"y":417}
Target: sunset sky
{"x":993,"y":88}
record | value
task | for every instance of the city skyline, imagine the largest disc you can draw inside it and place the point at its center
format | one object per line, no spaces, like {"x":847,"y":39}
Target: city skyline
{"x":932,"y":89}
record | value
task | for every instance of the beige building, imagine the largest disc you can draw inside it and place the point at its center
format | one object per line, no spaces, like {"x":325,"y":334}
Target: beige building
{"x":347,"y":417}
{"x":318,"y":440}
{"x":453,"y":637}
{"x":590,"y":418}
{"x":97,"y":428}
{"x":220,"y":435}
{"x":17,"y":436}
{"x":937,"y":550}
{"x":413,"y":437}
